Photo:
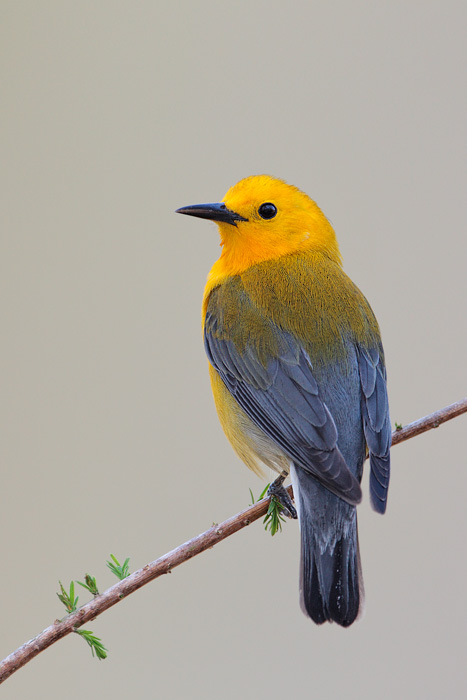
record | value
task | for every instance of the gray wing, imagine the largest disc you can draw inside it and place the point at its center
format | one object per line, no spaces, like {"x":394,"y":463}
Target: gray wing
{"x":283,"y":399}
{"x":376,"y":422}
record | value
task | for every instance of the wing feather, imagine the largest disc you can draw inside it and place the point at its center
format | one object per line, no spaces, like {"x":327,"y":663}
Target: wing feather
{"x":282,"y":398}
{"x":376,"y":422}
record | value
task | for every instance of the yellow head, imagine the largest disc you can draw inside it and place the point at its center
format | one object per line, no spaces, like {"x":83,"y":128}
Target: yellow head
{"x":263,"y":218}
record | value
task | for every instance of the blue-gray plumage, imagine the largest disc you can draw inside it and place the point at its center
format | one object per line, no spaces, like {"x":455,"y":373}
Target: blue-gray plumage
{"x":283,"y":399}
{"x":319,"y":413}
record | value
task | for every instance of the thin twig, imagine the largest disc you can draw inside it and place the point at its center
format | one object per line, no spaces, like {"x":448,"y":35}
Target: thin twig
{"x":434,"y":420}
{"x":169,"y":561}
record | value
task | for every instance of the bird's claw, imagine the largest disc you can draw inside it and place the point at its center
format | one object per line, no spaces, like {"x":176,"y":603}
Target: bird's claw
{"x":282,"y":495}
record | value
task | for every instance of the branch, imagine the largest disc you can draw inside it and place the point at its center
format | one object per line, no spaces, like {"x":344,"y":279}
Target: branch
{"x":165,"y":564}
{"x":434,"y":420}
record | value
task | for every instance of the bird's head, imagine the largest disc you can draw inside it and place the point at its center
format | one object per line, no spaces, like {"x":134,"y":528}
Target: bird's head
{"x":263,"y":218}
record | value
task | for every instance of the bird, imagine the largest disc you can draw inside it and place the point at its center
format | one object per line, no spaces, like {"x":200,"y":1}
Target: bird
{"x":298,"y":376}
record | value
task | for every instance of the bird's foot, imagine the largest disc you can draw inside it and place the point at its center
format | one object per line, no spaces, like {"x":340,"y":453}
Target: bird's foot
{"x":281,"y":494}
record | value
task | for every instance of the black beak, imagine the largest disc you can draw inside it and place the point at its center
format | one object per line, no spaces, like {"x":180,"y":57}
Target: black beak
{"x":214,"y":212}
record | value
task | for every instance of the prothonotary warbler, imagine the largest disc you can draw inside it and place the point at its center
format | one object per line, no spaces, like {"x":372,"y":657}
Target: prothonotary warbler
{"x":298,"y":376}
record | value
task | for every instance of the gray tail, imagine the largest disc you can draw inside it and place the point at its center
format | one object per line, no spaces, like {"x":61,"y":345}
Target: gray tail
{"x":331,"y":584}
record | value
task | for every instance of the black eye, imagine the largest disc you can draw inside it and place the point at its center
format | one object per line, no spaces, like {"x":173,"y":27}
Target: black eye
{"x":267,"y":211}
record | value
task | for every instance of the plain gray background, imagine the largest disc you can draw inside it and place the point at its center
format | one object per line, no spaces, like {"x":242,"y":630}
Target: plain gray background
{"x":114,"y":114}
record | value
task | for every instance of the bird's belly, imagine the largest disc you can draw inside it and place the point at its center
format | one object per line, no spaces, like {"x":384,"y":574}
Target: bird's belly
{"x":250,"y":443}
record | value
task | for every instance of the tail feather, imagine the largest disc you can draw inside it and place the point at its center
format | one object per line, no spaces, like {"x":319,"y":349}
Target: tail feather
{"x":331,"y":584}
